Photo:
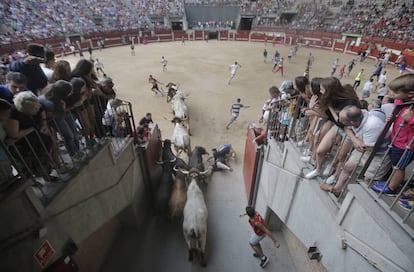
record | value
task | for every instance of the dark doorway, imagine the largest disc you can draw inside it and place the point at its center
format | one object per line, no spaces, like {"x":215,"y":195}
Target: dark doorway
{"x":177,"y":25}
{"x":213,"y":35}
{"x":245,"y":23}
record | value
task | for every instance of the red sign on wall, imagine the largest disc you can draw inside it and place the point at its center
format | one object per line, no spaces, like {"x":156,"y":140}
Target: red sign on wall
{"x":44,"y":253}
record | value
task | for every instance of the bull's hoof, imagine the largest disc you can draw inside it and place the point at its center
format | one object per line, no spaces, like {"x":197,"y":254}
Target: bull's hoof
{"x":190,"y":256}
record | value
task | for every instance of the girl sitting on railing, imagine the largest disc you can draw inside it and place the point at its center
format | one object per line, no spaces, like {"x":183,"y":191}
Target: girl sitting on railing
{"x":334,"y":98}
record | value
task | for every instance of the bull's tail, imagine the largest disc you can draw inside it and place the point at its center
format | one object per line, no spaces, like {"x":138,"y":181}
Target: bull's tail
{"x":194,"y":240}
{"x":193,"y":234}
{"x":196,"y":248}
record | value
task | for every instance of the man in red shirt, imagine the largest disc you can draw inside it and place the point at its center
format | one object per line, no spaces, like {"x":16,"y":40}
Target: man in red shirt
{"x":260,"y":231}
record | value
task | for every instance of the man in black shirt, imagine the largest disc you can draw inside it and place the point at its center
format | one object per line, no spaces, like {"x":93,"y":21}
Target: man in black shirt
{"x":146,"y":120}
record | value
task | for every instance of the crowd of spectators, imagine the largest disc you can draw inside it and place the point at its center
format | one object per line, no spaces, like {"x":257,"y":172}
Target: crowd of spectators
{"x":389,"y":19}
{"x":339,"y":130}
{"x":28,"y":20}
{"x":46,"y":102}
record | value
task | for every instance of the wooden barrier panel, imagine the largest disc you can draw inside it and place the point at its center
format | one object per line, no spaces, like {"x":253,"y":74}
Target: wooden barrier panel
{"x":198,"y":35}
{"x":224,"y":35}
{"x":250,"y":163}
{"x":294,"y":36}
{"x":242,"y":35}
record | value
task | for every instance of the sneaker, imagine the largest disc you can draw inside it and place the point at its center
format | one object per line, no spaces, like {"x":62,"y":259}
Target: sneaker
{"x":328,"y":170}
{"x":264,"y":261}
{"x":380,"y":183}
{"x":307,"y":152}
{"x":79,"y":156}
{"x":406,"y":204}
{"x":330,"y":180}
{"x":379,"y":187}
{"x":256,"y":255}
{"x":312,"y":174}
{"x":306,"y":158}
{"x":64,"y":168}
{"x":302,"y":143}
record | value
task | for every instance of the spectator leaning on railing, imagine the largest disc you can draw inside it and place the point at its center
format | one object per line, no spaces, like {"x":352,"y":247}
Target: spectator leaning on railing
{"x":5,"y":164}
{"x":27,"y":130}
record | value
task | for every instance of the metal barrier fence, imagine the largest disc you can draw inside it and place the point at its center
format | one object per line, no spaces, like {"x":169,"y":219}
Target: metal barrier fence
{"x":287,"y":122}
{"x":50,"y":159}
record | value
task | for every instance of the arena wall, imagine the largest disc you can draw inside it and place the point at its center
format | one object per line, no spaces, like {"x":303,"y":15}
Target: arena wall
{"x":324,"y":40}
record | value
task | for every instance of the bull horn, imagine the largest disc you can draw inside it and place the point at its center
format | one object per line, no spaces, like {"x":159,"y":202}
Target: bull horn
{"x":167,"y":119}
{"x":183,"y":171}
{"x":159,"y":162}
{"x":205,"y":172}
{"x":173,"y":160}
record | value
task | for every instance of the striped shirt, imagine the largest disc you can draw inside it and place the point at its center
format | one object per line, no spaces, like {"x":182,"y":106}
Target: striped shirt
{"x":235,"y":109}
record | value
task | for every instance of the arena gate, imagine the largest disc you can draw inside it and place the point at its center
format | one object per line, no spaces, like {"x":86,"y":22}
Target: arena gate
{"x":149,"y":154}
{"x":250,"y":165}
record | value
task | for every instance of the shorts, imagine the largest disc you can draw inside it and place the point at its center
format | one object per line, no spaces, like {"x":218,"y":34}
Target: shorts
{"x":366,"y":93}
{"x":341,"y":132}
{"x":397,"y":153}
{"x":377,"y":169}
{"x":255,"y":239}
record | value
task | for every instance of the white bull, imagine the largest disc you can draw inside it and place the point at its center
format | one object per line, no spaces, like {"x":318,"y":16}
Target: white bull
{"x":180,"y":109}
{"x":180,"y":137}
{"x":195,"y":219}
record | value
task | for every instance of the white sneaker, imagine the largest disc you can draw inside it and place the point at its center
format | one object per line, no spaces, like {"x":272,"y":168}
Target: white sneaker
{"x":331,"y":180}
{"x":302,"y":143}
{"x":306,"y":158}
{"x":312,"y":174}
{"x":307,"y":152}
{"x":328,"y":170}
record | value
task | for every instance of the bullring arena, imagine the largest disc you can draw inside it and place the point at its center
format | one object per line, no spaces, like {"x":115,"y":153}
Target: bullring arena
{"x":101,"y":214}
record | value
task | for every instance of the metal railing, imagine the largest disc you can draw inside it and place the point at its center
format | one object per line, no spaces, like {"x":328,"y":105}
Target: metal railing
{"x":48,"y":162}
{"x":287,"y":122}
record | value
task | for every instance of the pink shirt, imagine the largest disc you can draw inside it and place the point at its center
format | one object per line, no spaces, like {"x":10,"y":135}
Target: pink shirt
{"x":407,"y":131}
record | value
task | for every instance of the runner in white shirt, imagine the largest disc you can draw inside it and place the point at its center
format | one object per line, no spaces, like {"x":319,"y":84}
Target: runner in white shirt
{"x":99,"y":67}
{"x":381,"y":80}
{"x":233,"y":69}
{"x":164,"y":63}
